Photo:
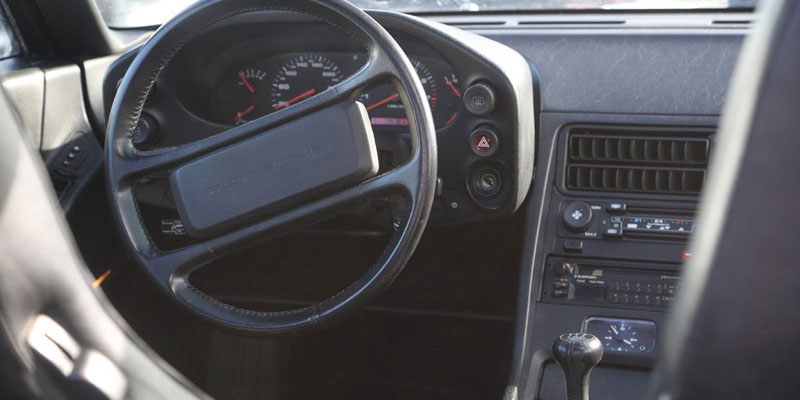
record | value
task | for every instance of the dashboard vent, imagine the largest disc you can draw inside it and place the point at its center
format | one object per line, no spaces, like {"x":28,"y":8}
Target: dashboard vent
{"x":606,"y":160}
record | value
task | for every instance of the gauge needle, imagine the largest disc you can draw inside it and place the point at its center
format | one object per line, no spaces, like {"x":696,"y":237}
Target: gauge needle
{"x":626,"y":341}
{"x":246,"y":83}
{"x":384,"y":101}
{"x":290,"y":101}
{"x":451,"y":86}
{"x":613,"y":328}
{"x":241,"y":114}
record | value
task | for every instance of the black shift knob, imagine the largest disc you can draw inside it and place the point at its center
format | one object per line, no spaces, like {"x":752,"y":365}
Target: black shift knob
{"x":577,"y":354}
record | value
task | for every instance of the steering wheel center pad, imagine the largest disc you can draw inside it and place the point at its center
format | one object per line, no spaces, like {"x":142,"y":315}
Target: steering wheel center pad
{"x":319,"y":153}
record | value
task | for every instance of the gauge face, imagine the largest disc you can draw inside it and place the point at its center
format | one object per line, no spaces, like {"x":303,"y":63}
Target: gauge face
{"x":239,"y":96}
{"x":273,"y":83}
{"x":248,"y":93}
{"x":623,"y":335}
{"x":386,"y":109}
{"x":303,"y":77}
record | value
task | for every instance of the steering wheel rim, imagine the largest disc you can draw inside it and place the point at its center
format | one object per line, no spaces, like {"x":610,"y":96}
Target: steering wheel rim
{"x":415,"y":180}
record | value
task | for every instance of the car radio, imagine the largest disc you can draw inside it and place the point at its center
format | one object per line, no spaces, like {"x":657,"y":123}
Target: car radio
{"x":596,"y":283}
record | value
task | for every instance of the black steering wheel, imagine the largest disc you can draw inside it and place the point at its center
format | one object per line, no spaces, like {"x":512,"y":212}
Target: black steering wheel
{"x":285,"y":170}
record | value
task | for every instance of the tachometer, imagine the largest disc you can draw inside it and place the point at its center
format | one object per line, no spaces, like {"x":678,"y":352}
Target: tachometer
{"x":383,"y":102}
{"x":302,"y":77}
{"x":441,"y":87}
{"x":239,"y":96}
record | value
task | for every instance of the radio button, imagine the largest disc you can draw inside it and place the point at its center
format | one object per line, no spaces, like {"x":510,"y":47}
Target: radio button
{"x":616,"y":208}
{"x":614,"y":230}
{"x":614,"y":297}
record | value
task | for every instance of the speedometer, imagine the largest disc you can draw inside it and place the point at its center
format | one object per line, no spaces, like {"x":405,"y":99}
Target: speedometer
{"x":302,"y":77}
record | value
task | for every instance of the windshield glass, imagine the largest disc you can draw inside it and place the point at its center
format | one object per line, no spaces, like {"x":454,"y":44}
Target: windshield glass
{"x":139,"y":13}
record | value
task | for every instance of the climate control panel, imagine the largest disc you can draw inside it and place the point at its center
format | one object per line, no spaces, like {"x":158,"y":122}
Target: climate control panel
{"x":616,"y":220}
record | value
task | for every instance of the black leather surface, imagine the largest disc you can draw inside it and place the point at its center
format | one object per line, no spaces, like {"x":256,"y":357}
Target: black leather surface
{"x":416,"y":179}
{"x":733,"y":333}
{"x":42,"y":273}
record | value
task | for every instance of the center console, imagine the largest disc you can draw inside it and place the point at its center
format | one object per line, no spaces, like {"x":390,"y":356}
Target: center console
{"x":613,"y":230}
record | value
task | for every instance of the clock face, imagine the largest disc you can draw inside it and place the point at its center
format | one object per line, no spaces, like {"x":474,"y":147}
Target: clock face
{"x":623,"y":335}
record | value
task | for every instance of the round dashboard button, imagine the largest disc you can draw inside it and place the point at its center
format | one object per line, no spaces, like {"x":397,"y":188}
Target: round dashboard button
{"x":484,"y":142}
{"x":578,"y":217}
{"x":479,"y":99}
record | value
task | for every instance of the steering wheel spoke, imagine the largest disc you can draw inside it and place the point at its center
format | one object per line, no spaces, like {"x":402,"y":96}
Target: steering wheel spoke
{"x":176,"y":265}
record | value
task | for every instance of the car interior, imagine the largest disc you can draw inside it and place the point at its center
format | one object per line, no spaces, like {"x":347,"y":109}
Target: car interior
{"x":405,"y":199}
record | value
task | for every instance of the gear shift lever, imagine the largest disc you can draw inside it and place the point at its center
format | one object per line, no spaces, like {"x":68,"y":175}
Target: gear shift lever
{"x":577,"y":354}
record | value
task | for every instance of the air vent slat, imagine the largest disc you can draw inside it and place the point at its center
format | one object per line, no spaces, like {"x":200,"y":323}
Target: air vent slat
{"x":624,"y":151}
{"x":678,"y":152}
{"x":610,"y":161}
{"x":598,"y":147}
{"x":585,"y":147}
{"x":611,"y":149}
{"x":622,"y":177}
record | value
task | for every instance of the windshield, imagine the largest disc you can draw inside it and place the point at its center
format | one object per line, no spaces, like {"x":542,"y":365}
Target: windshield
{"x":140,"y":13}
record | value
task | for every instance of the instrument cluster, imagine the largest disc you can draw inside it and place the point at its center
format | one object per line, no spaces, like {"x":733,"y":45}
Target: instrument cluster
{"x":265,"y":85}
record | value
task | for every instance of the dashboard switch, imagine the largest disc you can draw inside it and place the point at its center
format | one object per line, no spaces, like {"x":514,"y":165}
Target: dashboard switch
{"x":614,"y":230}
{"x":479,"y":99}
{"x":578,"y":217}
{"x":616,"y":208}
{"x":484,"y":142}
{"x":573,"y":246}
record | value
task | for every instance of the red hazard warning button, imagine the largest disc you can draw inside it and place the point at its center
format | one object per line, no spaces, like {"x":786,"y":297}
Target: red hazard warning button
{"x":483,"y":141}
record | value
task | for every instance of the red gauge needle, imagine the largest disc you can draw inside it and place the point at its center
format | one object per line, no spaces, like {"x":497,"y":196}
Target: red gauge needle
{"x":384,"y":101}
{"x":450,"y":121}
{"x":288,"y":102}
{"x":241,"y":114}
{"x":452,"y":87}
{"x":246,"y":83}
